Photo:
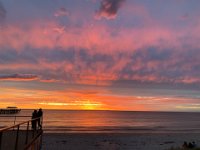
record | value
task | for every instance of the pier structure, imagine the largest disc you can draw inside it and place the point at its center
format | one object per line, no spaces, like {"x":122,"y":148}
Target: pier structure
{"x":21,"y":136}
{"x":10,"y":110}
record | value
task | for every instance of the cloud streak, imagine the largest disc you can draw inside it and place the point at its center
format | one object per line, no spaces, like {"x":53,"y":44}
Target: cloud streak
{"x":19,"y":77}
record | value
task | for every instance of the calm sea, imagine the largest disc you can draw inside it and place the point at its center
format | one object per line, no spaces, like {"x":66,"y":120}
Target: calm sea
{"x":64,"y":121}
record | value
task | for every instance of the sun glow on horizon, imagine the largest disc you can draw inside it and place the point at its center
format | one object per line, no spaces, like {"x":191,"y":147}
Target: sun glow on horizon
{"x":83,"y":105}
{"x":93,"y":99}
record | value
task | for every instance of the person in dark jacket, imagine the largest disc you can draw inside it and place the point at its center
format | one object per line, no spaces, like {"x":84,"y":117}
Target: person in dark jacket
{"x":34,"y":122}
{"x":39,"y":115}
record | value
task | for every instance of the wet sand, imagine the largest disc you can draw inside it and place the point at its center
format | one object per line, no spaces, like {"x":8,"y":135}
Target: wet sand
{"x":116,"y":141}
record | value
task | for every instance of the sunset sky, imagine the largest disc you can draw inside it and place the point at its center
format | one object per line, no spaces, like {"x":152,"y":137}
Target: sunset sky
{"x":100,"y":54}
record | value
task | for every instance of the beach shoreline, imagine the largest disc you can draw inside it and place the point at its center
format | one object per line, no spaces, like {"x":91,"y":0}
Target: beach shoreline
{"x":116,"y":141}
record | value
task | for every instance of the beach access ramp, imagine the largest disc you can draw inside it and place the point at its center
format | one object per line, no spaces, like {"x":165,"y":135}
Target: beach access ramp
{"x":21,"y":136}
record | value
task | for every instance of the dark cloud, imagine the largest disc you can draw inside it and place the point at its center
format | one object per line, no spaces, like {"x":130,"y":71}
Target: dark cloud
{"x":151,"y":65}
{"x":18,"y":77}
{"x":109,"y":8}
{"x":2,"y":13}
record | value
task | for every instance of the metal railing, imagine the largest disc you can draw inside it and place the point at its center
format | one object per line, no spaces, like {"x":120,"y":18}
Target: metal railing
{"x":28,"y":143}
{"x":14,"y":117}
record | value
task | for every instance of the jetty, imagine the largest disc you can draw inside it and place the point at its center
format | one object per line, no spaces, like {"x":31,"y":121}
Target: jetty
{"x":10,"y":110}
{"x":21,"y":136}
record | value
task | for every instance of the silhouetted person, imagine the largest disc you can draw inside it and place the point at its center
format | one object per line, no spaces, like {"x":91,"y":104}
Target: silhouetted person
{"x":34,"y":122}
{"x":194,"y":144}
{"x":39,"y":115}
{"x":190,"y":145}
{"x":185,"y":145}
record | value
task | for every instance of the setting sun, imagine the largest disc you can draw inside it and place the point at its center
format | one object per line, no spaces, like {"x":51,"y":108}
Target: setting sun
{"x":82,"y":105}
{"x":88,"y":105}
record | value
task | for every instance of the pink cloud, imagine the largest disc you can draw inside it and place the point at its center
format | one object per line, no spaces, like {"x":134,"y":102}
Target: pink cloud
{"x":98,"y":38}
{"x":101,"y":39}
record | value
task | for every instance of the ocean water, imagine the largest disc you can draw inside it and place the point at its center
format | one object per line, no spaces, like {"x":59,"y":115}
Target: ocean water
{"x":65,"y":121}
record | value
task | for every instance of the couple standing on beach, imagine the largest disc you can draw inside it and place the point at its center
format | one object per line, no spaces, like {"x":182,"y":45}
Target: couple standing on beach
{"x":37,"y":114}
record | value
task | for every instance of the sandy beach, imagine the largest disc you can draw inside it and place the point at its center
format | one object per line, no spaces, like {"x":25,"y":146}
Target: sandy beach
{"x":116,"y":141}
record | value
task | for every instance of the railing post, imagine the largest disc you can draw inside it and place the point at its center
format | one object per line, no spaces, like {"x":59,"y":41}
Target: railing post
{"x":41,"y":122}
{"x":15,"y":120}
{"x":1,"y":133}
{"x":41,"y":140}
{"x":14,"y":123}
{"x":27,"y":133}
{"x":16,"y":142}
